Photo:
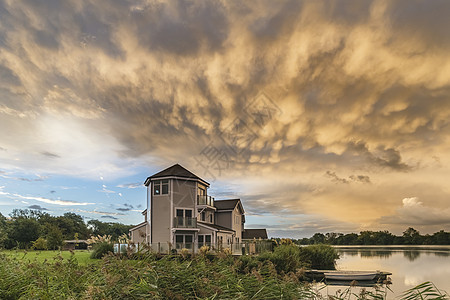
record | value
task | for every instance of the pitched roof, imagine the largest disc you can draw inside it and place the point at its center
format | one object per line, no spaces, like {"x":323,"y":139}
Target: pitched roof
{"x":250,"y":234}
{"x":175,"y":170}
{"x":75,"y":241}
{"x":138,"y":226}
{"x":228,"y":204}
{"x":215,"y":226}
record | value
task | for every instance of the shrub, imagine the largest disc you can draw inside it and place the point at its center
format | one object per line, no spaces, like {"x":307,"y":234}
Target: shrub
{"x":319,"y":256}
{"x":285,"y":257}
{"x":40,"y":244}
{"x":101,"y":249}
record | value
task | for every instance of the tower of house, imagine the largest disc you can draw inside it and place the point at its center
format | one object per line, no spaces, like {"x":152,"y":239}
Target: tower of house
{"x":181,"y":214}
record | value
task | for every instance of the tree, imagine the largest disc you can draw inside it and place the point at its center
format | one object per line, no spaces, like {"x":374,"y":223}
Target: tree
{"x":70,"y":224}
{"x":411,"y":237}
{"x":54,"y":237}
{"x":318,"y":238}
{"x":3,"y":231}
{"x":24,"y":231}
{"x":113,"y":229}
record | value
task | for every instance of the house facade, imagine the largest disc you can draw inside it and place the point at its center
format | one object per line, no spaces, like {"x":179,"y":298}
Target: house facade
{"x":181,"y":214}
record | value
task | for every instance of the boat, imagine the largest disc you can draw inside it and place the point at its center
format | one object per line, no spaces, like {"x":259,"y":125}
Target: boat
{"x":350,"y":275}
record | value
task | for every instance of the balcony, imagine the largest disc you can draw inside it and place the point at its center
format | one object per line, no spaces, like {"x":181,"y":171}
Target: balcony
{"x":184,"y":222}
{"x":205,"y":200}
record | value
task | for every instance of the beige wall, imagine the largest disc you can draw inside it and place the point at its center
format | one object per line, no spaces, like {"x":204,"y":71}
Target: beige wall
{"x":184,"y":194}
{"x":237,"y":224}
{"x":224,"y":219}
{"x":138,"y":235}
{"x":225,"y":237}
{"x":208,"y":212}
{"x":161,"y":217}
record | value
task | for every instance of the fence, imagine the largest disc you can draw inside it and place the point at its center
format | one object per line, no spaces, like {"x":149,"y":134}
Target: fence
{"x":245,"y":248}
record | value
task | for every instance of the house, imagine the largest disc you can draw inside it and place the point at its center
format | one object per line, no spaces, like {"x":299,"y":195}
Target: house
{"x":181,"y":214}
{"x":138,"y":233}
{"x":74,"y":244}
{"x":254,"y":234}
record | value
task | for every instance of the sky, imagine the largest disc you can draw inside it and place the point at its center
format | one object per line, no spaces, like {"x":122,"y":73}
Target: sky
{"x":321,"y":116}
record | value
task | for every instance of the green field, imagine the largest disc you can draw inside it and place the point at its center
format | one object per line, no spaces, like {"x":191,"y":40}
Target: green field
{"x":82,"y":256}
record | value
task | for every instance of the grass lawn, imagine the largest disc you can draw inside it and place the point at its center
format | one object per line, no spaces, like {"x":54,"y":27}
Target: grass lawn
{"x":83,"y":256}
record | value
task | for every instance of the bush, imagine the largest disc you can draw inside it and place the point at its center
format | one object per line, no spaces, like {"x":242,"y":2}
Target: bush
{"x":319,"y":256}
{"x":285,"y":257}
{"x":40,"y":244}
{"x":101,"y":249}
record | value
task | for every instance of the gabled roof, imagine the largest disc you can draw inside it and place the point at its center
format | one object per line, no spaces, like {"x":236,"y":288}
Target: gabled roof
{"x":174,"y":171}
{"x":250,"y":234}
{"x":230,"y":204}
{"x":215,"y":226}
{"x":138,"y":226}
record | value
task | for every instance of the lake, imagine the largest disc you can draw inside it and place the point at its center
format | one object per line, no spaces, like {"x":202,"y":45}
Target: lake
{"x":409,"y":265}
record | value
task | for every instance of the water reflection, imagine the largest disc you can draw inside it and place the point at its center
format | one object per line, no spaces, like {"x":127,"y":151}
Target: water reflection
{"x":367,"y":253}
{"x":442,"y":254}
{"x":376,"y":253}
{"x":411,"y":255}
{"x":409,"y":266}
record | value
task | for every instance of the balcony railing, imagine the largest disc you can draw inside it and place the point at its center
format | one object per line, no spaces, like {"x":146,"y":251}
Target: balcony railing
{"x":184,"y":222}
{"x":205,"y":200}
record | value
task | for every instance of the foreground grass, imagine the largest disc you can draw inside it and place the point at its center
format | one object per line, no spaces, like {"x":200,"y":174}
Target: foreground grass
{"x":150,"y":276}
{"x":82,"y":256}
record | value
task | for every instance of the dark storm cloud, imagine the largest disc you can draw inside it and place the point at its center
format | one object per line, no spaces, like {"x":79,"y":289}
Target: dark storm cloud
{"x":123,"y":209}
{"x":109,"y":217}
{"x":360,"y":178}
{"x":49,"y":154}
{"x":38,"y":207}
{"x":381,"y":156}
{"x":336,"y":178}
{"x":362,"y":88}
{"x":352,"y":178}
{"x":184,"y":28}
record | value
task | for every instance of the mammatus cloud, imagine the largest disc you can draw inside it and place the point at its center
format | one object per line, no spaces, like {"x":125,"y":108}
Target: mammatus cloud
{"x":359,"y":88}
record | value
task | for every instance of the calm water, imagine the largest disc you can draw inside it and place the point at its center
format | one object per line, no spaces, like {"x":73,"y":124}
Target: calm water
{"x":409,"y":266}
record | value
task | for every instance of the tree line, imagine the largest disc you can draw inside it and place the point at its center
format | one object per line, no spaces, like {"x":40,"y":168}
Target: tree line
{"x":409,"y":237}
{"x":25,"y":227}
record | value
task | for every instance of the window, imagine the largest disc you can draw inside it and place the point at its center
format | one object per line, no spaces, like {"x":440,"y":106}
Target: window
{"x":161,"y":187}
{"x":184,"y":217}
{"x":204,"y":239}
{"x":203,"y":216}
{"x":201,"y":191}
{"x":183,"y":241}
{"x":210,"y":218}
{"x":236,"y":220}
